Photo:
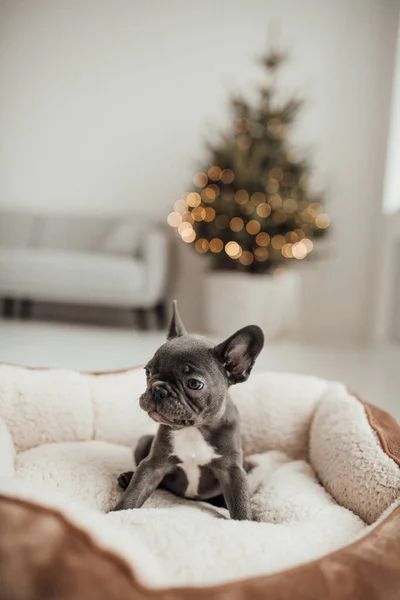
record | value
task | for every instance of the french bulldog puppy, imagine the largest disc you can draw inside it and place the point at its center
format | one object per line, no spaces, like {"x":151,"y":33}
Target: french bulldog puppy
{"x":196,"y":452}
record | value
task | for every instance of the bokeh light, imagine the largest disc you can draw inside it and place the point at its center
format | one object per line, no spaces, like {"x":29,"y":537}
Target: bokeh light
{"x":275,"y":173}
{"x":210,"y":214}
{"x":308,"y":244}
{"x":199,"y":213}
{"x":216,"y":245}
{"x":214,"y":173}
{"x":180,"y":206}
{"x":174,"y":219}
{"x":247,"y":258}
{"x":263,"y":210}
{"x":208,"y":194}
{"x":200,"y":180}
{"x":257,"y":198}
{"x":314,"y":208}
{"x":299,"y":250}
{"x":183,"y":227}
{"x":322,"y":221}
{"x":292,"y":237}
{"x":253,"y":227}
{"x":187,"y":216}
{"x":287,"y":250}
{"x":233,"y":250}
{"x":236,"y":224}
{"x":193,"y":199}
{"x":275,"y":201}
{"x":263,"y":239}
{"x":188,"y":236}
{"x":272,"y":186}
{"x":290,"y":205}
{"x":277,"y":242}
{"x":201,"y":245}
{"x":261,"y":254}
{"x":227,"y":176}
{"x":241,"y":196}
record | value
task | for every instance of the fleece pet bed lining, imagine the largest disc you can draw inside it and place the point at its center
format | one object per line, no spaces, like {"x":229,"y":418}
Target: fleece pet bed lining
{"x":322,"y":476}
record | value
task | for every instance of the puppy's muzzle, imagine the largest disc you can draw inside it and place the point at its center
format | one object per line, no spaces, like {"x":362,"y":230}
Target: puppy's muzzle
{"x":159,"y":390}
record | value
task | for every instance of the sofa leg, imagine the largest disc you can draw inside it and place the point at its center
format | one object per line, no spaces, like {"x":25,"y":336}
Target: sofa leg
{"x":161,"y":314}
{"x":25,"y":310}
{"x":141,"y":318}
{"x":8,"y":308}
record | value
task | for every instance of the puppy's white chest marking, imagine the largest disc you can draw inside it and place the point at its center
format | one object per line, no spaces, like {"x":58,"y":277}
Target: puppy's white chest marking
{"x":193,"y":451}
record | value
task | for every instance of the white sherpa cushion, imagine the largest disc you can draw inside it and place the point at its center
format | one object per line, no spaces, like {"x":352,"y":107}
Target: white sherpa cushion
{"x":319,"y":473}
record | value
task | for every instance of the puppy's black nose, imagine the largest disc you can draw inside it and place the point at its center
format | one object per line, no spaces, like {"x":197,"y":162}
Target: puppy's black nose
{"x":159,"y":390}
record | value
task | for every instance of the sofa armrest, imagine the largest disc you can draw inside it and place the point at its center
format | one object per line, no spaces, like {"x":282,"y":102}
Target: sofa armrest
{"x":155,"y":255}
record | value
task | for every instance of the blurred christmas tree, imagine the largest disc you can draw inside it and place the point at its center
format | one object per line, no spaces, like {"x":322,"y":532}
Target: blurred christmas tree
{"x":252,"y":209}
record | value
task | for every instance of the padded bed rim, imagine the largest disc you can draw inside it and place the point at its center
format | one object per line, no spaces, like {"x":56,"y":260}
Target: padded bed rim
{"x":366,"y":568}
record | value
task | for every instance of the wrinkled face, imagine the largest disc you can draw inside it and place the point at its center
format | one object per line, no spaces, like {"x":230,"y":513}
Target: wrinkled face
{"x":186,"y":385}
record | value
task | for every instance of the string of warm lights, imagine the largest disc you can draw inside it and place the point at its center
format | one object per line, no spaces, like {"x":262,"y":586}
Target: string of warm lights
{"x":252,"y":206}
{"x":195,"y":208}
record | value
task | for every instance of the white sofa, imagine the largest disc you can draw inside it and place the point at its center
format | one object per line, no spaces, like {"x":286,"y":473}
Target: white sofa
{"x":117,"y":262}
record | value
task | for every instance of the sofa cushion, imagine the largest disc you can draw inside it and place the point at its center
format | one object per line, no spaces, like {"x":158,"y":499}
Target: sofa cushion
{"x":89,"y":278}
{"x":124,"y":236}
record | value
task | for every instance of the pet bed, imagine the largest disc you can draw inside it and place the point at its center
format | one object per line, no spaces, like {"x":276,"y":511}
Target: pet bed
{"x":325,"y":490}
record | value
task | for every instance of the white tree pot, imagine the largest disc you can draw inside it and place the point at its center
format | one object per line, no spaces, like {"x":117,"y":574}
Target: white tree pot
{"x":233,"y":300}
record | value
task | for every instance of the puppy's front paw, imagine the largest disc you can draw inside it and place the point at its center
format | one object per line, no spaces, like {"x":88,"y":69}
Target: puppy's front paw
{"x":242,"y":518}
{"x":124,"y":479}
{"x":243,"y":513}
{"x":119,"y":506}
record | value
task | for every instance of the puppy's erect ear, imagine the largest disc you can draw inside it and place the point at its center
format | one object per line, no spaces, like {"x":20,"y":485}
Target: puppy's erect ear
{"x":239,"y":352}
{"x":176,"y":327}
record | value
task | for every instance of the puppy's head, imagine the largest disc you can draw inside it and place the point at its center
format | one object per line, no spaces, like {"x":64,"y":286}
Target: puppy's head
{"x":188,"y":377}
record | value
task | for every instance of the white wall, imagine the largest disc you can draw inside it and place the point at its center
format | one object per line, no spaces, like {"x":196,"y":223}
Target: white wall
{"x":391,"y":198}
{"x":387,"y":279}
{"x":104,"y":107}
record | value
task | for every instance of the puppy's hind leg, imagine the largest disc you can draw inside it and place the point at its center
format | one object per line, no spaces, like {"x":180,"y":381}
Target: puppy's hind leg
{"x":141,"y":451}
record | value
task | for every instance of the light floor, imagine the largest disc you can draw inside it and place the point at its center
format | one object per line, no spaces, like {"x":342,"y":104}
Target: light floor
{"x":374,"y":373}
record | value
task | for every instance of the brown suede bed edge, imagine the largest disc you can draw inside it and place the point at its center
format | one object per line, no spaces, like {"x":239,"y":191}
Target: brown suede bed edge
{"x":387,"y":430}
{"x":43,"y":556}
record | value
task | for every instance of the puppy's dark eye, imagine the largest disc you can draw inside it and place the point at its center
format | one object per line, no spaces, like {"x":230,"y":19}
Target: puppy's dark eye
{"x":195,"y":384}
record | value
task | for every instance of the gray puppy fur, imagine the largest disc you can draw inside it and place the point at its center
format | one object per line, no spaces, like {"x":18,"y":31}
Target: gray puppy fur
{"x":196,"y":452}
